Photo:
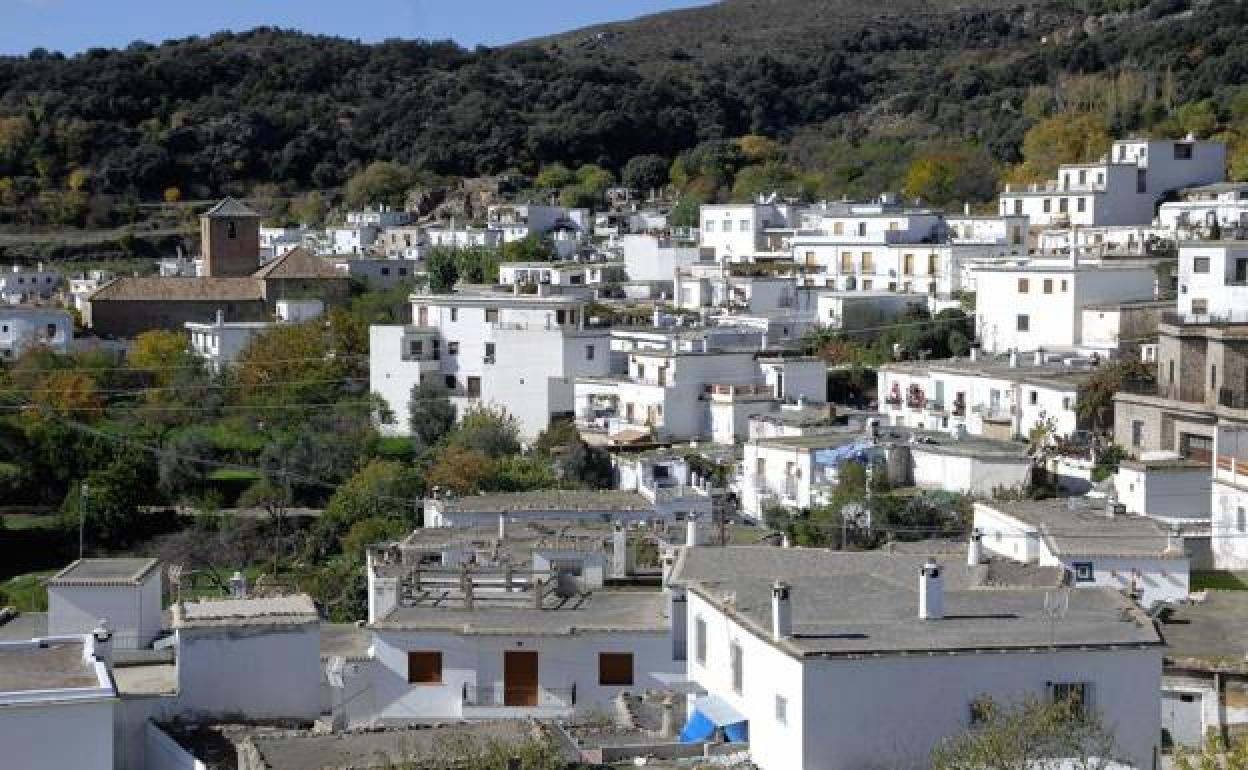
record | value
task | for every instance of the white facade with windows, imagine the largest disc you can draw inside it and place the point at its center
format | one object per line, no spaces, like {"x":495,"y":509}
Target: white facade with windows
{"x":515,"y":351}
{"x":1121,"y":189}
{"x":655,"y":258}
{"x":1213,"y":281}
{"x":824,"y":666}
{"x":1229,"y":500}
{"x":1197,"y":210}
{"x":25,"y":326}
{"x":24,"y":284}
{"x":1039,"y":305}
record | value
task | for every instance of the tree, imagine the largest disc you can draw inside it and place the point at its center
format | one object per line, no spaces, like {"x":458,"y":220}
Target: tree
{"x":366,"y":532}
{"x":462,"y":471}
{"x":442,"y":267}
{"x":70,"y":393}
{"x":115,"y":494}
{"x":1065,"y":138}
{"x":556,"y":176}
{"x":573,"y":459}
{"x":645,"y":172}
{"x":1095,"y":404}
{"x":172,"y":195}
{"x":952,"y":177}
{"x":1198,"y":118}
{"x":489,"y":430}
{"x":381,"y":182}
{"x":1214,"y":754}
{"x":1027,"y":735}
{"x":383,"y":490}
{"x":309,"y":209}
{"x":432,"y":413}
{"x":301,"y":363}
{"x":160,"y":354}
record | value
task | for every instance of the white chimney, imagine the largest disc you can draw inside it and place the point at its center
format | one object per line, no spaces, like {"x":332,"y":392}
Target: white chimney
{"x":1039,"y":357}
{"x":1013,"y":358}
{"x":975,"y":551}
{"x":238,"y":585}
{"x":931,"y":592}
{"x":502,"y":526}
{"x":974,"y":353}
{"x":220,"y":317}
{"x":691,"y":530}
{"x":781,"y":611}
{"x":620,"y":566}
{"x":785,"y":542}
{"x":102,"y":642}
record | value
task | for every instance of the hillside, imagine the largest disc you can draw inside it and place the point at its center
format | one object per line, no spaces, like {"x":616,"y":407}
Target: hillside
{"x":202,"y":117}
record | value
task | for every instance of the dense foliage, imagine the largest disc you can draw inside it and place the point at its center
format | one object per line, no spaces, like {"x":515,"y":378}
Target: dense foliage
{"x":842,"y":99}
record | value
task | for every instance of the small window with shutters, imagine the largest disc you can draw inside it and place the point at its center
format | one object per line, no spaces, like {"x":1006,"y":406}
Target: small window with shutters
{"x":615,"y":669}
{"x":424,"y":668}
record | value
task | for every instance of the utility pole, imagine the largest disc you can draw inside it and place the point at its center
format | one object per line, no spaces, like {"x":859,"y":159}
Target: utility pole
{"x":84,"y":492}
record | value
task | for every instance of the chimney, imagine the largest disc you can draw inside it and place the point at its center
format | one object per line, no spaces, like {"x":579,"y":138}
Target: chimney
{"x":691,"y":530}
{"x":801,"y":401}
{"x":102,"y":642}
{"x":667,"y":727}
{"x":502,"y":526}
{"x":238,"y":585}
{"x":620,"y":561}
{"x":785,"y":542}
{"x":966,"y":208}
{"x":781,"y":611}
{"x":931,"y":592}
{"x":465,"y":583}
{"x":1039,"y":357}
{"x":1013,"y":358}
{"x":220,"y":317}
{"x":1174,"y":540}
{"x":974,"y":353}
{"x":975,"y":551}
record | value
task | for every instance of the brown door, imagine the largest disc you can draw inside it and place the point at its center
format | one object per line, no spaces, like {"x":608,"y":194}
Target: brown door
{"x":520,"y":678}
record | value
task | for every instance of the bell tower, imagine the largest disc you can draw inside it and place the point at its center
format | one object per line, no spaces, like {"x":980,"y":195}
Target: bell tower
{"x":230,"y":239}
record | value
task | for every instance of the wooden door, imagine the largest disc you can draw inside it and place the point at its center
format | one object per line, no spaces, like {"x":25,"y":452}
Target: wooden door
{"x":520,"y":678}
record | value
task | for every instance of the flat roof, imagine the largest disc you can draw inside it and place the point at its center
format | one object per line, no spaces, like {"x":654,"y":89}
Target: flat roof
{"x":279,"y":610}
{"x":408,"y":747}
{"x":866,"y":603}
{"x":1209,"y":632}
{"x":105,"y":572}
{"x":1078,"y":526}
{"x":496,"y":612}
{"x":547,"y":500}
{"x":1055,"y":374}
{"x":46,"y":664}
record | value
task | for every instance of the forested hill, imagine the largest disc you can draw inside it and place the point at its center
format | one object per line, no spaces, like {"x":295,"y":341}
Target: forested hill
{"x":833,"y":80}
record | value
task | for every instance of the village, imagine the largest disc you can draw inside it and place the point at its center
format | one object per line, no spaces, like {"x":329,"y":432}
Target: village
{"x":835,"y":480}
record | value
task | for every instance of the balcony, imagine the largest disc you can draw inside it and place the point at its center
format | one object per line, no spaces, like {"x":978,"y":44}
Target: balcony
{"x":497,"y":696}
{"x":1232,"y":399}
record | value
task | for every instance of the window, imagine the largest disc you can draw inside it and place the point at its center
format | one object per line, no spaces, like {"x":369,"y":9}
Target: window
{"x":847,"y":262}
{"x":1063,"y":205}
{"x":868,"y":262}
{"x":1182,"y":151}
{"x":450,"y":382}
{"x":867,"y":284}
{"x":1033,"y":398}
{"x":745,"y":225}
{"x":231,"y":230}
{"x":454,"y":314}
{"x":402,"y":271}
{"x":452,"y":348}
{"x":782,"y":709}
{"x":1023,"y":285}
{"x":1048,"y":285}
{"x":415,"y":348}
{"x":1083,"y":571}
{"x":589,"y":352}
{"x":1200,"y":307}
{"x":615,"y":669}
{"x":1023,"y":323}
{"x":424,"y":668}
{"x":862,"y":228}
{"x":1063,"y":284}
{"x":699,"y":640}
{"x":1241,"y":520}
{"x":1066,"y":402}
{"x":907,"y":264}
{"x":1100,"y":177}
{"x":51,"y":329}
{"x":491,"y":315}
{"x":736,"y":663}
{"x":1083,"y":176}
{"x":1081,"y":204}
{"x":474,"y":387}
{"x":385,"y":271}
{"x":1171,"y":368}
{"x":1137,"y":433}
{"x":1075,"y":695}
{"x":709,"y":226}
{"x":1048,"y":205}
{"x":1141,"y":180}
{"x":1213,"y":376}
{"x":838,"y":228}
{"x":1200,"y":264}
{"x":1018,"y":207}
{"x":933,"y":264}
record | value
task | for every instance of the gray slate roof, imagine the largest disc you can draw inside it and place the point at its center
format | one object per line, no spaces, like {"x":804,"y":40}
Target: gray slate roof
{"x":1077,"y":526}
{"x":548,"y":500}
{"x":231,"y":208}
{"x":636,"y":611}
{"x":848,"y":604}
{"x":53,"y":666}
{"x":105,"y":572}
{"x":1210,"y":634}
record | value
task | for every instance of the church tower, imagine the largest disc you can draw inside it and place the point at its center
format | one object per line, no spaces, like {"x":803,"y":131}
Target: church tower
{"x":230,"y":239}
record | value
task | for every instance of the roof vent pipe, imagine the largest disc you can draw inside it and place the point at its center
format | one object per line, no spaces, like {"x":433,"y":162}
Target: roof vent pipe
{"x":1013,"y":358}
{"x":781,"y":611}
{"x":931,"y":591}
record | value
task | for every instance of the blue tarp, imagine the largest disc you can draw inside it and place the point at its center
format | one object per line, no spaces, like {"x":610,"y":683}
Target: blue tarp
{"x":710,"y":712}
{"x":855,"y":451}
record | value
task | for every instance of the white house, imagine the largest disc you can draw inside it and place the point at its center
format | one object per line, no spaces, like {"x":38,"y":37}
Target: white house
{"x":23,"y":284}
{"x":379,"y":272}
{"x":520,"y":352}
{"x":1166,"y":487}
{"x":1038,"y":304}
{"x":862,"y":310}
{"x":739,"y":232}
{"x":1097,"y":545}
{"x":379,"y":216}
{"x":1229,"y":501}
{"x":1002,"y":398}
{"x":221,"y":343}
{"x":517,"y":221}
{"x":352,"y":239}
{"x":84,"y":286}
{"x":277,"y":241}
{"x":655,"y":258}
{"x":260,"y":658}
{"x":839,"y":661}
{"x":1213,"y":281}
{"x":559,"y":273}
{"x":1114,"y":329}
{"x":405,"y":242}
{"x":124,"y":592}
{"x":1123,"y":187}
{"x":56,"y":703}
{"x":1193,"y":215}
{"x":25,"y":326}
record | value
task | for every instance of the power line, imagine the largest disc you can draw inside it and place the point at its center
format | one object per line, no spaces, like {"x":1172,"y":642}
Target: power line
{"x":191,"y":386}
{"x":17,"y":368}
